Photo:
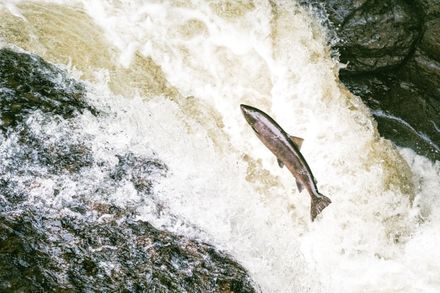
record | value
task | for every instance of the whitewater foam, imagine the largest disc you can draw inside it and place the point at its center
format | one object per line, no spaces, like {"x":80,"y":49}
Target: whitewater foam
{"x":208,"y":58}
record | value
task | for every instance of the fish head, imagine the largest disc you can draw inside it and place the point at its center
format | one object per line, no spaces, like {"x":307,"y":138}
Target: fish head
{"x":257,"y":119}
{"x":251,"y":114}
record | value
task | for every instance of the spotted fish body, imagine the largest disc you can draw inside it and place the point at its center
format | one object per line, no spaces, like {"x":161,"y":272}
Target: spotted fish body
{"x":287,"y":152}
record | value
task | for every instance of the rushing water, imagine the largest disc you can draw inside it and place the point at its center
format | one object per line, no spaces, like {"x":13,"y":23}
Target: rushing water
{"x":171,"y":74}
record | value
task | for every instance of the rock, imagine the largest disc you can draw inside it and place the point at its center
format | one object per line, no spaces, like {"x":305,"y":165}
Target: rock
{"x":424,"y":71}
{"x":392,"y":49}
{"x":431,"y":8}
{"x":405,"y":114}
{"x":42,"y":253}
{"x":423,"y":67}
{"x":430,"y":43}
{"x":378,"y":35}
{"x":374,"y":35}
{"x":27,"y":83}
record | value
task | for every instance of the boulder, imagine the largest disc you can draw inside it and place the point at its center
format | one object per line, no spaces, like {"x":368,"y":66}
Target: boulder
{"x":392,"y":49}
{"x":374,"y":35}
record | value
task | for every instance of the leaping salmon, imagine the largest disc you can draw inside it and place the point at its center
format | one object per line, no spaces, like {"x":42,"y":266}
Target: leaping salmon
{"x":286,"y":149}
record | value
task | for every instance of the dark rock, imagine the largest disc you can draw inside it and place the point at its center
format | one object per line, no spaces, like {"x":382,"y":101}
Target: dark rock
{"x":404,"y":113}
{"x":53,"y":254}
{"x":137,"y":170}
{"x":431,"y":8}
{"x":424,"y":71}
{"x":378,"y":35}
{"x":430,"y":43}
{"x":374,"y":35}
{"x":28,"y":83}
{"x":28,"y":86}
{"x":64,"y":154}
{"x":392,"y":49}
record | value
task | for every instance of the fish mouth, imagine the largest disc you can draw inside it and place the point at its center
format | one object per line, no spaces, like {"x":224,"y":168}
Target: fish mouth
{"x":246,"y":108}
{"x":247,"y":113}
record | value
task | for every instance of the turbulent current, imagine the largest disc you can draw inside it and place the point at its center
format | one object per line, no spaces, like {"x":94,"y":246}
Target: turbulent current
{"x":164,"y":81}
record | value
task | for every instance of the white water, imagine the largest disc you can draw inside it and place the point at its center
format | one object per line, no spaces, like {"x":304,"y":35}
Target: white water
{"x":223,"y":180}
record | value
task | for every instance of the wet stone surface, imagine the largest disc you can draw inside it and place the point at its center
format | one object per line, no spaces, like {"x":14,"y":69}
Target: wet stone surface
{"x":69,"y":218}
{"x":28,"y":83}
{"x":391,"y":50}
{"x":42,"y":252}
{"x":404,"y":113}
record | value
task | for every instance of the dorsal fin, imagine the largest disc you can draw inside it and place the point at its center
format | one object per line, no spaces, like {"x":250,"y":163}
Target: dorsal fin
{"x":297,"y":141}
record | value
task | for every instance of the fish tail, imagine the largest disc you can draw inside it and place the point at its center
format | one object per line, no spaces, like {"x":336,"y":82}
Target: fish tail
{"x":319,"y":203}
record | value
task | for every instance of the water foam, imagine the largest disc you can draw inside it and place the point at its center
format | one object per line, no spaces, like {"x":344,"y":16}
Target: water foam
{"x":217,"y":55}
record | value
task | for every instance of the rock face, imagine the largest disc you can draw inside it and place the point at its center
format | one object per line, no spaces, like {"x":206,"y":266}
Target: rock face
{"x":28,"y":83}
{"x":42,"y":253}
{"x":376,"y":35}
{"x":61,"y":227}
{"x":392,"y":49}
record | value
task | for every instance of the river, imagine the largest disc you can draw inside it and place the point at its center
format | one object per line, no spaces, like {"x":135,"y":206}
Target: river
{"x":170,"y":76}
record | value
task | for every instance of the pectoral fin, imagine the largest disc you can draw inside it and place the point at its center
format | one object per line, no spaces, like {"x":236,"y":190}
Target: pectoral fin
{"x":281,"y":164}
{"x":297,"y":141}
{"x":299,"y":185}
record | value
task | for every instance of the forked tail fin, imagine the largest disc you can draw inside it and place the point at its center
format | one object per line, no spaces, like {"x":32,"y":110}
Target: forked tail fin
{"x":318,"y":204}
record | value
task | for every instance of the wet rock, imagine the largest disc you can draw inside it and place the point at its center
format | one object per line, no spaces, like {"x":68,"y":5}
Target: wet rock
{"x":424,"y":71}
{"x":28,"y":83}
{"x":53,"y":254}
{"x":392,"y":49}
{"x":405,"y":114}
{"x":63,"y":154}
{"x":29,"y":88}
{"x":431,"y":8}
{"x":378,"y":35}
{"x":430,"y":43}
{"x":137,"y":170}
{"x":374,"y":35}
